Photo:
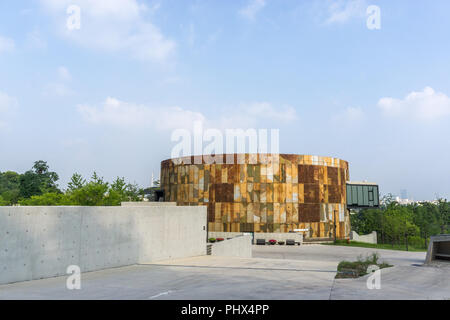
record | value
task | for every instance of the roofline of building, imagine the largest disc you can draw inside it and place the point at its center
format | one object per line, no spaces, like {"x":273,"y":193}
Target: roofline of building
{"x":362,"y":183}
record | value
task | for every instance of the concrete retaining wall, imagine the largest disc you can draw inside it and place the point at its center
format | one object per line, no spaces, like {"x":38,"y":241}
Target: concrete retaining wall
{"x":224,"y":235}
{"x":240,"y":246}
{"x":367,"y":238}
{"x":41,"y":242}
{"x":438,"y":248}
{"x":148,"y":204}
{"x":298,"y":237}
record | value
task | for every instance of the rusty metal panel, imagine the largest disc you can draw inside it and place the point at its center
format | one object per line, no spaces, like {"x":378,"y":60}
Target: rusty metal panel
{"x":332,"y":176}
{"x":334,"y":194}
{"x":321,"y":193}
{"x":210,"y":212}
{"x":343,"y":176}
{"x":312,"y":193}
{"x":270,"y":218}
{"x":301,"y":193}
{"x":263,"y":173}
{"x":288,"y":193}
{"x":243,"y":212}
{"x":276,"y":193}
{"x":283,"y":213}
{"x":263,"y":213}
{"x":270,"y":192}
{"x":276,"y":212}
{"x":309,"y":212}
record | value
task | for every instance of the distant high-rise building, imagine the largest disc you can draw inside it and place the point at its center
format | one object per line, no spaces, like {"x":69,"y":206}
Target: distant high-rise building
{"x":404,"y":194}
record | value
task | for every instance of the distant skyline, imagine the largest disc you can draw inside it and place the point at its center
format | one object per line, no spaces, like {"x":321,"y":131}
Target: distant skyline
{"x":107,"y":96}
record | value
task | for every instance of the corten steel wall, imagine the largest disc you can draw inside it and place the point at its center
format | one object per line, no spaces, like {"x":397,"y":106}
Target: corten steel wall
{"x":251,"y":195}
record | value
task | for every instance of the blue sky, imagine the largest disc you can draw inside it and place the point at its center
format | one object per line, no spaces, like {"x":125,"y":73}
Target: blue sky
{"x":106,"y":97}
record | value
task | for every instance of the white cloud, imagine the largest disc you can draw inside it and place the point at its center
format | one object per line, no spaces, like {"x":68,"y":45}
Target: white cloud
{"x":118,"y":113}
{"x":6,"y":44}
{"x":350,"y":116}
{"x":114,"y":112}
{"x":341,"y":11}
{"x":423,"y":105}
{"x":114,"y":26}
{"x":269,"y":111}
{"x":252,"y":8}
{"x":253,"y":115}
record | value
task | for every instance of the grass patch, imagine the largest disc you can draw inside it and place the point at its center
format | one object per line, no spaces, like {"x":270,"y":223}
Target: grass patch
{"x":358,"y":268}
{"x":374,"y":246}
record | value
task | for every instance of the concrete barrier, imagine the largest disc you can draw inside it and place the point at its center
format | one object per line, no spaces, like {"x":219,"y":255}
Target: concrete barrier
{"x":224,"y":235}
{"x":438,"y":248}
{"x":148,"y":204}
{"x":240,"y":246}
{"x":41,"y":242}
{"x":296,"y":236}
{"x":367,"y":238}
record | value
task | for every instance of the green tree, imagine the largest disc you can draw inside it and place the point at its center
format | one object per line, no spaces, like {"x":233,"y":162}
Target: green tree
{"x":10,"y":187}
{"x":48,"y":199}
{"x":3,"y":202}
{"x":133,"y":192}
{"x":30,"y":185}
{"x":9,"y":180}
{"x":48,"y":179}
{"x":399,"y":224}
{"x":76,"y":182}
{"x":38,"y":180}
{"x":119,"y":185}
{"x":92,"y":193}
{"x":121,"y":191}
{"x":38,"y":187}
{"x":426,"y":218}
{"x":443,"y":215}
{"x":367,"y":220}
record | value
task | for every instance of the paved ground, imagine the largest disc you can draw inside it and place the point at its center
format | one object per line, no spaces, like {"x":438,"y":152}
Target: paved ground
{"x":305,"y":272}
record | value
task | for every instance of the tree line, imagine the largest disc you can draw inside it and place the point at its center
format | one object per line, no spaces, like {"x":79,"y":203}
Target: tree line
{"x":409,"y":225}
{"x":38,"y":187}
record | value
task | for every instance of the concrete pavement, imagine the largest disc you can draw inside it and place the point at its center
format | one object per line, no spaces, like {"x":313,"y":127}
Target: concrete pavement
{"x":305,"y":272}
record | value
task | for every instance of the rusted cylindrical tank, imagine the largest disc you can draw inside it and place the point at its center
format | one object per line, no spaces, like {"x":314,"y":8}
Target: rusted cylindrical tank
{"x":263,"y":193}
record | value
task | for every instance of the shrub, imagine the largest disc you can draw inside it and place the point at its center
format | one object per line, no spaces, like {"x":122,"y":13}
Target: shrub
{"x":355,"y":269}
{"x":272,"y":241}
{"x":281,"y":243}
{"x":416,"y":241}
{"x":212,"y":240}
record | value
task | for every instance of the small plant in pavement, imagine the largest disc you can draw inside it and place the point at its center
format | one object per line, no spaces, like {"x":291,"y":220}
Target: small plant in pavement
{"x":358,"y":268}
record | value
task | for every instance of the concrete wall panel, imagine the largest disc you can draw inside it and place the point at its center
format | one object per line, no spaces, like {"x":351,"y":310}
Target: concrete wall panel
{"x":240,"y":246}
{"x":41,"y":242}
{"x":367,"y":238}
{"x":298,"y":237}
